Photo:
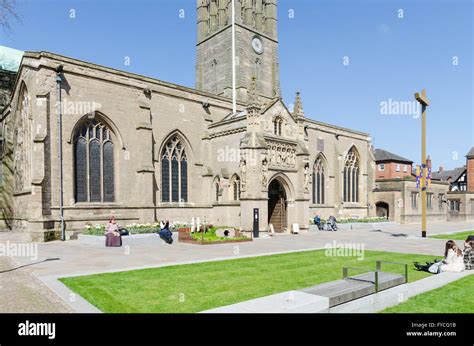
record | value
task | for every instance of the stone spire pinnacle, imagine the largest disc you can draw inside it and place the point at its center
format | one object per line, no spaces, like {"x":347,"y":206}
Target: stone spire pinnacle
{"x":298,"y":107}
{"x":252,"y":94}
{"x":253,"y":107}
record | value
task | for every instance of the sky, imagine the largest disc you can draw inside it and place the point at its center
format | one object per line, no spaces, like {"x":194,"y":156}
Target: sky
{"x":357,"y":63}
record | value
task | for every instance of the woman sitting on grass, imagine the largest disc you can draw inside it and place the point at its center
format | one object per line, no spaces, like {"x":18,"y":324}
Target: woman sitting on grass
{"x":453,"y":261}
{"x":453,"y":258}
{"x":469,"y":253}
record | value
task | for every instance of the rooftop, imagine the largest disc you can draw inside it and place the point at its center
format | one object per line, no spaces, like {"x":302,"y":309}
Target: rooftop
{"x":10,"y":58}
{"x":384,"y":155}
{"x":454,"y":174}
{"x":470,"y":154}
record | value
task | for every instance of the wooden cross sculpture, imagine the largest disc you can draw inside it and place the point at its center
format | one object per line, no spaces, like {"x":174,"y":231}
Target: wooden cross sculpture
{"x":423,"y":100}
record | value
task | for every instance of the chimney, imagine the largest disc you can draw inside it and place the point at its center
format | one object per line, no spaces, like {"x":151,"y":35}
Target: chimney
{"x":470,"y":170}
{"x":428,"y":162}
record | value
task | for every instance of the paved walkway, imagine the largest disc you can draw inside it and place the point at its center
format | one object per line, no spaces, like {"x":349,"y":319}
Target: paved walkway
{"x":22,"y":292}
{"x":76,"y":259}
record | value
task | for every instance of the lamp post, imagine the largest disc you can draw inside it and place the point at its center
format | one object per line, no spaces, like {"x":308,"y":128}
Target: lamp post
{"x":423,"y":100}
{"x":59,"y":80}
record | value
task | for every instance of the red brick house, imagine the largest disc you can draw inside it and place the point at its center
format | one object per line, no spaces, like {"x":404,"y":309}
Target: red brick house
{"x":391,"y":166}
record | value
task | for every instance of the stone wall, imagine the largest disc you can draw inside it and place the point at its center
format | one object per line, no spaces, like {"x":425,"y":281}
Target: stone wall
{"x":466,"y":206}
{"x":398,"y":194}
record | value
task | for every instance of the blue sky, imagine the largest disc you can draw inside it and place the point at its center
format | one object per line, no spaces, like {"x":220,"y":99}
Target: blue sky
{"x":390,"y":58}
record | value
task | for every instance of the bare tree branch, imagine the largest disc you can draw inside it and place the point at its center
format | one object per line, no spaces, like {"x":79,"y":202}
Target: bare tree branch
{"x":8,"y":11}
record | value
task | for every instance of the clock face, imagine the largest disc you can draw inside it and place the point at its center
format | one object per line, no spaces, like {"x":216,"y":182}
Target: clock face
{"x":257,"y":45}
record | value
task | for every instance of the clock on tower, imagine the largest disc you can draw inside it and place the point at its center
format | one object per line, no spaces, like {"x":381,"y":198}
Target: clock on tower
{"x":256,"y":47}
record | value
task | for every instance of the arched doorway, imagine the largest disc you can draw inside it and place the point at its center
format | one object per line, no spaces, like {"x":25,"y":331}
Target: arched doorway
{"x":382,"y":209}
{"x":277,"y":206}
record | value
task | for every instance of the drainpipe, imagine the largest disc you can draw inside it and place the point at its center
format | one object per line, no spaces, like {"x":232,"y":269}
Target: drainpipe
{"x":59,"y":80}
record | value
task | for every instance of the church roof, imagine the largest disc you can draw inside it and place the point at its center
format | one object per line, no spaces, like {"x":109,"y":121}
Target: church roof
{"x":384,"y":155}
{"x":10,"y":58}
{"x":133,"y":76}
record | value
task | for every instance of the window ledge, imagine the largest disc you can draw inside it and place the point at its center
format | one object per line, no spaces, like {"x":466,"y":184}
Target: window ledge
{"x":22,"y":192}
{"x":93,"y":205}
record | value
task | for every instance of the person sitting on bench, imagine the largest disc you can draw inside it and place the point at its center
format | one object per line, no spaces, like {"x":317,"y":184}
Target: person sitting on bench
{"x":468,"y":253}
{"x":166,"y":234}
{"x":317,"y":222}
{"x":112,"y":234}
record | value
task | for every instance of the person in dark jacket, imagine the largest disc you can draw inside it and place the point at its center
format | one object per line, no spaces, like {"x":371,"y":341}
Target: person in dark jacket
{"x":317,"y":222}
{"x":166,"y":234}
{"x":332,"y":223}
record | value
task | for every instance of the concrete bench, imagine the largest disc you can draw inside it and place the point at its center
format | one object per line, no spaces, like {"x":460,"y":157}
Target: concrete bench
{"x":128,"y":240}
{"x":322,"y":297}
{"x":355,"y":287}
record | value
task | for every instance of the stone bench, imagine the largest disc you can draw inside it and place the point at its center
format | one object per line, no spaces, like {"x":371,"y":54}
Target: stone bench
{"x":128,"y":240}
{"x":355,"y":287}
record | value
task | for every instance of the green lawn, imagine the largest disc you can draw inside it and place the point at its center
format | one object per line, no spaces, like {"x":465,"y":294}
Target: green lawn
{"x":202,"y":286}
{"x":455,"y":297}
{"x":453,"y":236}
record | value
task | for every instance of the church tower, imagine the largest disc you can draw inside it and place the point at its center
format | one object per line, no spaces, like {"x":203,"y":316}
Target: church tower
{"x":256,"y":47}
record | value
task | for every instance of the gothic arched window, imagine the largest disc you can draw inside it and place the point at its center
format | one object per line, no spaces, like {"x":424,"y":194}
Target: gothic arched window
{"x":318,"y":181}
{"x":174,"y":172}
{"x":94,"y":166}
{"x":351,"y":177}
{"x":277,"y":123}
{"x":236,"y":188}
{"x":23,"y":147}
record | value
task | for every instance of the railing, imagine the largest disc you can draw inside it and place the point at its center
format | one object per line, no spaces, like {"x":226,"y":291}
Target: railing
{"x":345,"y":272}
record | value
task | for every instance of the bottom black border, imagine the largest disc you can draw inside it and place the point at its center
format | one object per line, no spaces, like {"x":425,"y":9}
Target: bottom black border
{"x":290,"y":329}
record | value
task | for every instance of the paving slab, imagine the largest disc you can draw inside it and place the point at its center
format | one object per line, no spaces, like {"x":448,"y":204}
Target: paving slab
{"x":286,"y":302}
{"x":76,"y":259}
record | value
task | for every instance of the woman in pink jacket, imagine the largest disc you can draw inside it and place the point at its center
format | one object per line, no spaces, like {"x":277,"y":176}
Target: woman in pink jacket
{"x":112,"y":233}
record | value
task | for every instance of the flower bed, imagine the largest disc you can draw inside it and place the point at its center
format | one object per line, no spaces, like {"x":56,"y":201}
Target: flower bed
{"x":209,"y":237}
{"x":147,"y":228}
{"x":355,"y":220}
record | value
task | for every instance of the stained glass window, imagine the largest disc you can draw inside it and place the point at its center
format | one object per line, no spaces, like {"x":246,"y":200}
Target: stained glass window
{"x":351,"y":177}
{"x":81,"y":170}
{"x":174,"y":177}
{"x":94,"y":166}
{"x":318,"y":181}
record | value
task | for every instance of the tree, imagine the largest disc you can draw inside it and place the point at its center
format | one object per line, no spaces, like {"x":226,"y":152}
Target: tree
{"x":8,"y":10}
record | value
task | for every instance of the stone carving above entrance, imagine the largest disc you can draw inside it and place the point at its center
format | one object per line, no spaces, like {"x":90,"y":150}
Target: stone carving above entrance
{"x":281,"y":155}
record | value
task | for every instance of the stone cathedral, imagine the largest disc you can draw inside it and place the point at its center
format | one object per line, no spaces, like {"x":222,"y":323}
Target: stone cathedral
{"x":146,"y":150}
